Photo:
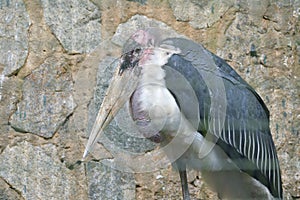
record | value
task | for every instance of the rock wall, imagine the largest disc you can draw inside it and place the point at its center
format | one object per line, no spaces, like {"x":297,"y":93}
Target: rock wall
{"x":56,"y":60}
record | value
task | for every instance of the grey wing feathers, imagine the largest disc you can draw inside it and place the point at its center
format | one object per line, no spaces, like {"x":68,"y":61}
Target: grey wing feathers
{"x":246,"y":136}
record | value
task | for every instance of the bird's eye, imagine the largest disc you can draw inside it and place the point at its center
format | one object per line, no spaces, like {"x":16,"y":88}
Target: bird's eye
{"x":167,"y":53}
{"x":138,"y":50}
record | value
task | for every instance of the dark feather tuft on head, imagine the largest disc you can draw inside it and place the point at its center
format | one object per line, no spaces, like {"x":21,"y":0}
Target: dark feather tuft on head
{"x":130,"y":59}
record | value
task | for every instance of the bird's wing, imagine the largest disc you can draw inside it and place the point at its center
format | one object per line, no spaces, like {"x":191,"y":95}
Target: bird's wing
{"x":245,"y":136}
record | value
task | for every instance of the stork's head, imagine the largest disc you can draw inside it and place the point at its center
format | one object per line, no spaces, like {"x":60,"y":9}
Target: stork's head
{"x":157,"y":56}
{"x":125,"y":82}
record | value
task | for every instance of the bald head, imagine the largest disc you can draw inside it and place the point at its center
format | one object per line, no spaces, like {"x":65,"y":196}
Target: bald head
{"x":143,"y":37}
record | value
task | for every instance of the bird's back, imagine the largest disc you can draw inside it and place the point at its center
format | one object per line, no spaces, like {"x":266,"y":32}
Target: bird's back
{"x":245,"y":136}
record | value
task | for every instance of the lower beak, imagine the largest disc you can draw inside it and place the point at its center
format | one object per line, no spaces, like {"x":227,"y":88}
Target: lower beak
{"x":122,"y":86}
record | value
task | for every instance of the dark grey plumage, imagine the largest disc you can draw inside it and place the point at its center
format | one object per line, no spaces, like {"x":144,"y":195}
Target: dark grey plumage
{"x":246,"y":137}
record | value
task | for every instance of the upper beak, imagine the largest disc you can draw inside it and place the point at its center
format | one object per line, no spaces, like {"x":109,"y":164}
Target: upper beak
{"x":122,"y":86}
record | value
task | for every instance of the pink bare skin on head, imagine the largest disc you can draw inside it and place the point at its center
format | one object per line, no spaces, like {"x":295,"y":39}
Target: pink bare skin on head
{"x":145,"y":56}
{"x":144,"y":38}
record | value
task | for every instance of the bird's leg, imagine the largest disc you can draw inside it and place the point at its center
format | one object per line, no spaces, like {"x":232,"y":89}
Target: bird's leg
{"x":184,"y":184}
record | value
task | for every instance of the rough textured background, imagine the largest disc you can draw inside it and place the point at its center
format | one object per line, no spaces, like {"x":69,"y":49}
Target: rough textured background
{"x":55,"y":66}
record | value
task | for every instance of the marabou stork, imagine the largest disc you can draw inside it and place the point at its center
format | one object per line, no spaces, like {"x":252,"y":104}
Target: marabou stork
{"x":226,"y":136}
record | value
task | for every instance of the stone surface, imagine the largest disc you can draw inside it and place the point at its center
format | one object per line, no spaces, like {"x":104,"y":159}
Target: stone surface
{"x":14,"y":25}
{"x":47,"y":99}
{"x":35,"y":173}
{"x":260,"y":39}
{"x":200,"y":14}
{"x":10,"y":94}
{"x":75,"y":23}
{"x":7,"y":193}
{"x":42,"y":42}
{"x":107,"y":183}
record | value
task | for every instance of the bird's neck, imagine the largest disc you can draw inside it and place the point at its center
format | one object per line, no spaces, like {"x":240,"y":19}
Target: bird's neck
{"x":153,"y":74}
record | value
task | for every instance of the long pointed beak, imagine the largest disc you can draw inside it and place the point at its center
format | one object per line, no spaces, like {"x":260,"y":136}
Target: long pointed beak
{"x":123,"y":84}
